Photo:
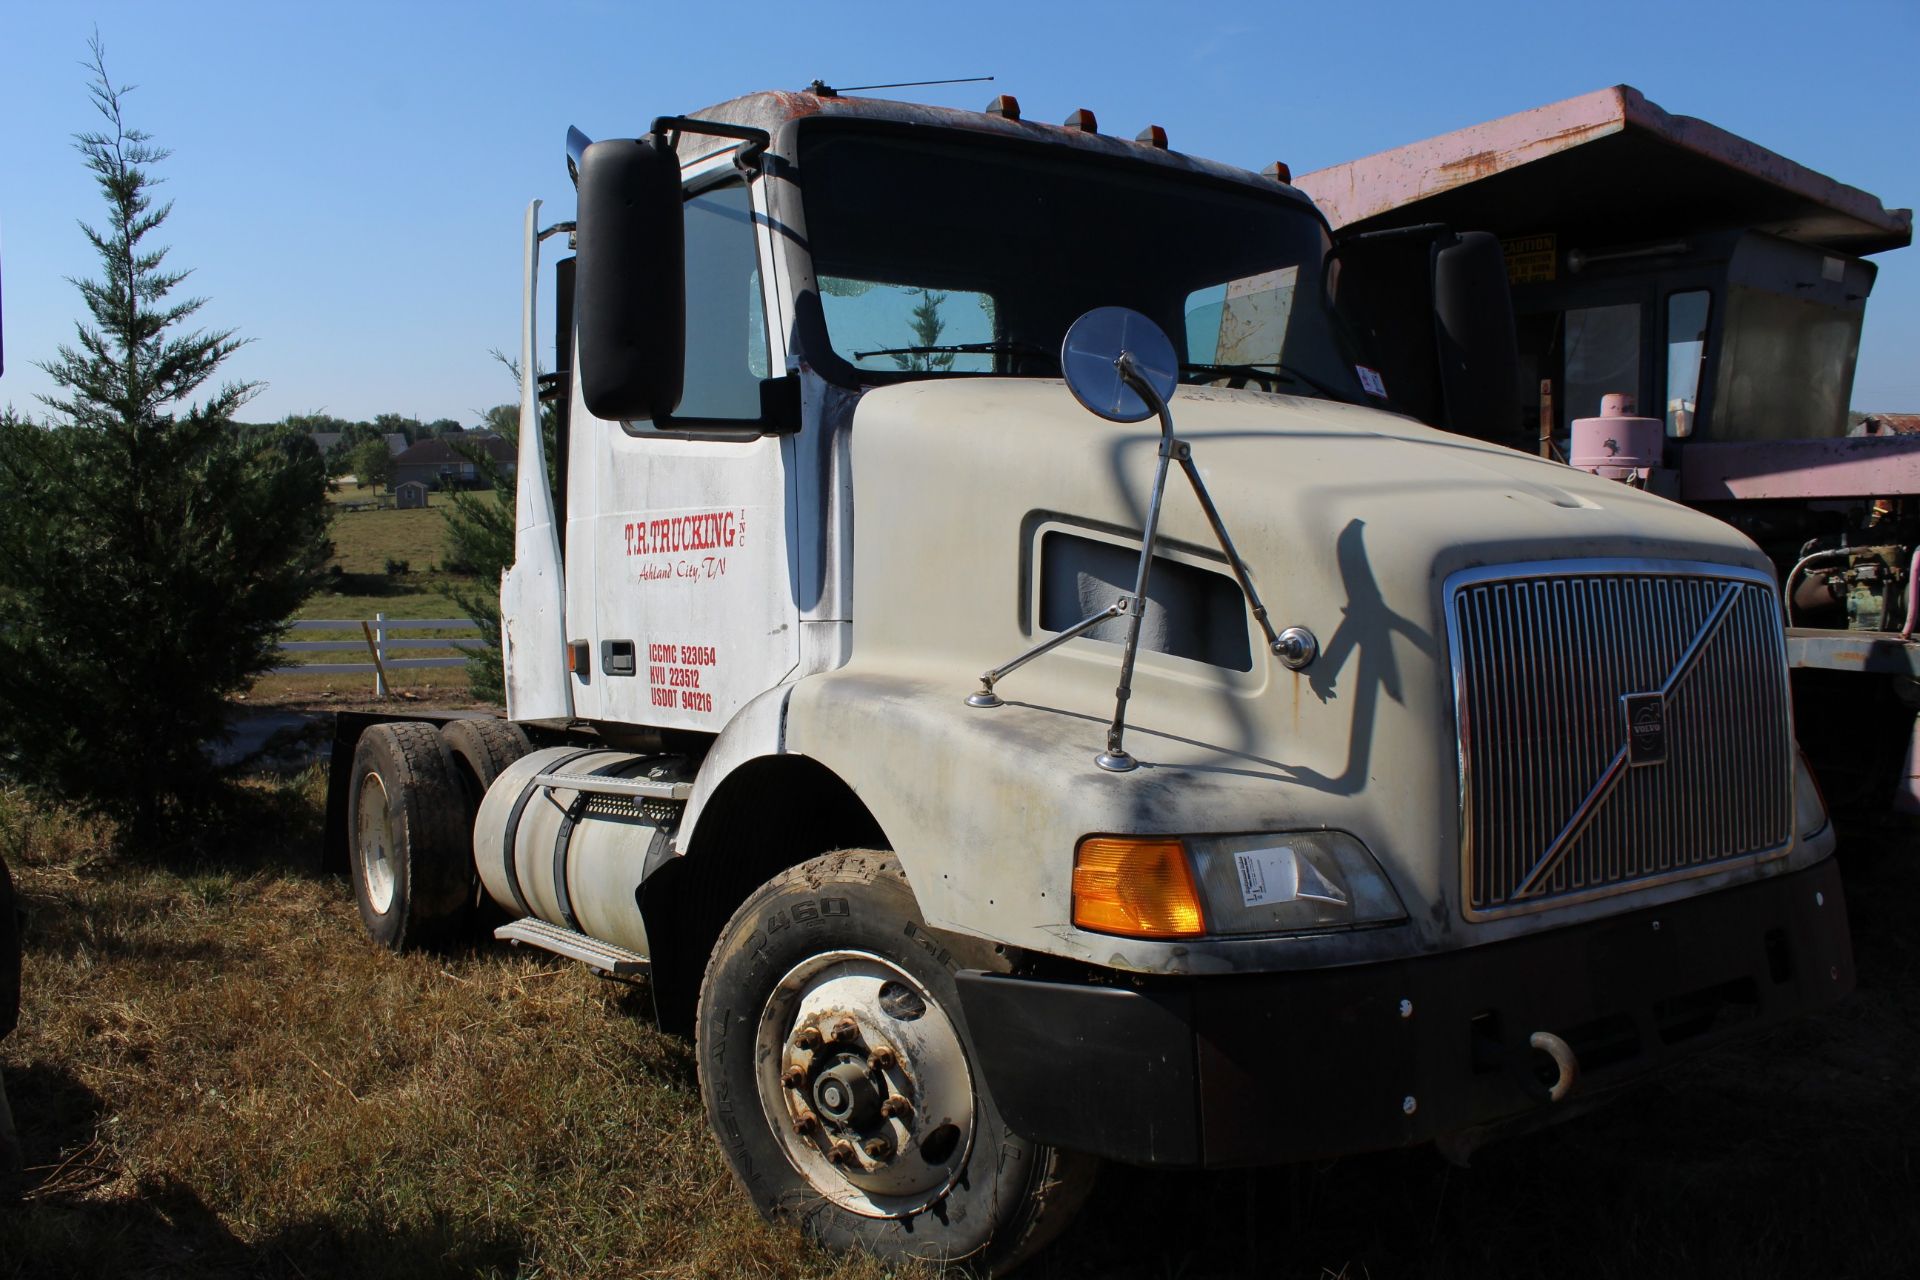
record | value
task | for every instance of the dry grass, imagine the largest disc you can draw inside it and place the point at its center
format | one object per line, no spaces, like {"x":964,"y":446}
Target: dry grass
{"x":217,"y":1076}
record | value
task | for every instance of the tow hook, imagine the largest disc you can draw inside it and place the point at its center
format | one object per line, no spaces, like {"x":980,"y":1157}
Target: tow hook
{"x":1564,"y":1060}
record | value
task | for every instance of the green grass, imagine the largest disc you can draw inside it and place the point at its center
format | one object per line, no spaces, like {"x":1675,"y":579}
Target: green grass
{"x":215,"y":1075}
{"x":364,"y":543}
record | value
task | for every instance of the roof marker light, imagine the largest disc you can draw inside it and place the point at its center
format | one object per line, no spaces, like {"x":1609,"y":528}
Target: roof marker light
{"x":1006,"y":106}
{"x":1083,"y":121}
{"x":1154,"y":136}
{"x":1279,"y":172}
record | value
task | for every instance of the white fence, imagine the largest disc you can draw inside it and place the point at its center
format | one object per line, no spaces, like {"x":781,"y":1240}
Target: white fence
{"x":377,"y":641}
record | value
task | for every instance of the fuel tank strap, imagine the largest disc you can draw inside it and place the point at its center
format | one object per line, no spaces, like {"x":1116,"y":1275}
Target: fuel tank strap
{"x":510,"y":837}
{"x":562,"y":840}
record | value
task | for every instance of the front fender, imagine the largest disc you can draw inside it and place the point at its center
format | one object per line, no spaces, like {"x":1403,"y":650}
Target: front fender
{"x":985,"y":807}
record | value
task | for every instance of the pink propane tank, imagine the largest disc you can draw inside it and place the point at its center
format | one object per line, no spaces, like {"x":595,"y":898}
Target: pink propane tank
{"x":1618,"y":445}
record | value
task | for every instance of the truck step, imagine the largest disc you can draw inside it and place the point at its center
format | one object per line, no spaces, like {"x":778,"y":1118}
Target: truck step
{"x":605,"y":957}
{"x":650,"y":788}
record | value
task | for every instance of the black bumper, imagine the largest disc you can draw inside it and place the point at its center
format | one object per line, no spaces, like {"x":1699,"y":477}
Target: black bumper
{"x":1269,"y":1068}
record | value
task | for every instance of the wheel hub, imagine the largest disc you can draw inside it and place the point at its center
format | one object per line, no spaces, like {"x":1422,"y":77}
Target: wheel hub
{"x":865,"y":1082}
{"x":847,"y":1095}
{"x":373,"y":832}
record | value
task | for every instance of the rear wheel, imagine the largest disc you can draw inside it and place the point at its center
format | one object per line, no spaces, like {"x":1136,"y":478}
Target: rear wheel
{"x":410,"y":852}
{"x":482,"y":749}
{"x":839,"y":1079}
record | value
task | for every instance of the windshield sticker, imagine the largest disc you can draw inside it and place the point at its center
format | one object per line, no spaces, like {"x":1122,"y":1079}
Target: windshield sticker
{"x":1371,"y":382}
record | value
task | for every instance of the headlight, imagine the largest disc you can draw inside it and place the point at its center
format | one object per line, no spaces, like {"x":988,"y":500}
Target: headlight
{"x":1291,"y":881}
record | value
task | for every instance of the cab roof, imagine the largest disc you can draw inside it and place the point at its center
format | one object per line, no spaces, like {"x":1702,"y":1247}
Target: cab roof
{"x":773,"y":109}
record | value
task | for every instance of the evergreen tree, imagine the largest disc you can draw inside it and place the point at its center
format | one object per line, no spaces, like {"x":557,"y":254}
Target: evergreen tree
{"x":480,"y":538}
{"x":150,"y":554}
{"x":927,"y":327}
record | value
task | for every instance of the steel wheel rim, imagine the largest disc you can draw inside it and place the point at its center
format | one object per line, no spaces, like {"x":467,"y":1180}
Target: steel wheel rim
{"x":374,"y":835}
{"x":892,"y":1162}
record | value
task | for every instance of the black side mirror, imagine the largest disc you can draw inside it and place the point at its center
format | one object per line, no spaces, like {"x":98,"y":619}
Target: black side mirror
{"x":630,"y":278}
{"x":1434,"y":311}
{"x":1479,"y":354}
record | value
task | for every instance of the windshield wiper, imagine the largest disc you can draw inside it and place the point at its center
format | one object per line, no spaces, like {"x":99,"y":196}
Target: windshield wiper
{"x":1266,"y":373}
{"x":997,"y":346}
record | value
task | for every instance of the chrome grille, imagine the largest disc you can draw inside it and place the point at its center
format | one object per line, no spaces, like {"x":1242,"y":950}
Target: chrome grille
{"x":1552,"y":811}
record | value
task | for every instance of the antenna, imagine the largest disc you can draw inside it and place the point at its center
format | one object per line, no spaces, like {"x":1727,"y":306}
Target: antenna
{"x":822,"y":89}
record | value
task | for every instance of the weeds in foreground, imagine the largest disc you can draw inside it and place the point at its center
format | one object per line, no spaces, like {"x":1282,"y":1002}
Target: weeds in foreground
{"x":216,"y":1075}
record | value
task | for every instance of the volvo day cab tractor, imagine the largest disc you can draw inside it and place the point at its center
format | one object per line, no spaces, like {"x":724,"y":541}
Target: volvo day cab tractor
{"x":979,"y":647}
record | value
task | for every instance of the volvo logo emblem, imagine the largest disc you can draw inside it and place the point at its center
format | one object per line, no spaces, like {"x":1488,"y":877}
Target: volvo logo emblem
{"x":1646,"y":717}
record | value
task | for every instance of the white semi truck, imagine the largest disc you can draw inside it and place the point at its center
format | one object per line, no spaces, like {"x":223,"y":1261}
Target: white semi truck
{"x":980,"y":648}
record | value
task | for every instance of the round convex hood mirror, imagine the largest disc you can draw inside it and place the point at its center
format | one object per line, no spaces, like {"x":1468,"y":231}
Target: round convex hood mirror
{"x":1093,"y":346}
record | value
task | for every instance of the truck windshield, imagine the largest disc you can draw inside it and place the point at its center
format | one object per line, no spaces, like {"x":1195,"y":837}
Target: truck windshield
{"x":949,"y":255}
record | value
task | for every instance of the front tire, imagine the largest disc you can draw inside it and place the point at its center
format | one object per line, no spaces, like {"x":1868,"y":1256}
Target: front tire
{"x":839,"y":1079}
{"x":410,"y":843}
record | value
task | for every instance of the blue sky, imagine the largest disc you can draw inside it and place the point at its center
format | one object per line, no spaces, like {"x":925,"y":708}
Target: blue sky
{"x":350,"y":178}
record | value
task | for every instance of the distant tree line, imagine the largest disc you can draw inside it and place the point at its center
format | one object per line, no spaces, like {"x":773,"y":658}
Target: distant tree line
{"x":362,"y":449}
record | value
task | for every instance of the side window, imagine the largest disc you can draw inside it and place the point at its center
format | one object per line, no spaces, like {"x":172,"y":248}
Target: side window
{"x":1686,"y":353}
{"x":726,"y":318}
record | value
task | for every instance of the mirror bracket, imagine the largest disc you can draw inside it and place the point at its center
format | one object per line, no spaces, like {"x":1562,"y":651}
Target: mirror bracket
{"x":746,"y":159}
{"x":1144,"y":383}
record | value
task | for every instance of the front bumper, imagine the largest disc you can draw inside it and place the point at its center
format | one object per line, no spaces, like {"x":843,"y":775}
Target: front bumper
{"x":1270,"y":1068}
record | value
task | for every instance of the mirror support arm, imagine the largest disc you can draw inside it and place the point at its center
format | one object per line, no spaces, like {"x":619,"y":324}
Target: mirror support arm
{"x":1234,"y":561}
{"x":1115,"y":758}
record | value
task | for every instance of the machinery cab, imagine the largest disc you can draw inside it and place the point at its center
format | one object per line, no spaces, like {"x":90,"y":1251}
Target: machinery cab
{"x":1719,"y":285}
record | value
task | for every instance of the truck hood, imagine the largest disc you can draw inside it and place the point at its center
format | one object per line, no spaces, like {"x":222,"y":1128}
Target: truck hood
{"x":1350,"y":520}
{"x":1315,"y":493}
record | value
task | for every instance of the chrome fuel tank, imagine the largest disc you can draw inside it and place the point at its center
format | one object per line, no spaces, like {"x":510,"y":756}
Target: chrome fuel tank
{"x":566,"y":835}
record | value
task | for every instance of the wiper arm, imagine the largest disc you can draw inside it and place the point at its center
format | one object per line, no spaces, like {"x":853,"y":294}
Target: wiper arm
{"x":1266,"y":372}
{"x":996,"y":346}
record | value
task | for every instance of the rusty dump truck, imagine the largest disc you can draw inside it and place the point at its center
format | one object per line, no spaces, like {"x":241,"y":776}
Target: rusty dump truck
{"x":1721,"y":288}
{"x":989,"y":655}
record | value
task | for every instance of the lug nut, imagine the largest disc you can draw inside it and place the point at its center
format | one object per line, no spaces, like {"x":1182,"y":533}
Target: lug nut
{"x":845,"y":1029}
{"x":807,"y":1038}
{"x":879,"y":1148}
{"x":840,"y":1152}
{"x":793,"y":1077}
{"x":896,"y":1106}
{"x":882,"y":1058}
{"x":805,"y":1123}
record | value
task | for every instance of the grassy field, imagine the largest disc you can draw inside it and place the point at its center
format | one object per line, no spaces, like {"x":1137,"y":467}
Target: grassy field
{"x":216,"y":1075}
{"x":365,"y":543}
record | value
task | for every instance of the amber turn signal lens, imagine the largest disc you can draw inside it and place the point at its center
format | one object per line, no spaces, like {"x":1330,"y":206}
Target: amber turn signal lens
{"x":1138,"y":887}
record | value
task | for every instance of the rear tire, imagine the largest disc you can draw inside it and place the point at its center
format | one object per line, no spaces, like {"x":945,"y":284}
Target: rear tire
{"x":815,"y":1131}
{"x":410,"y":844}
{"x":482,"y":749}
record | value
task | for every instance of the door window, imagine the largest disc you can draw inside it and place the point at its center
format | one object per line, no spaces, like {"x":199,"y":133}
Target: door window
{"x":726,"y":315}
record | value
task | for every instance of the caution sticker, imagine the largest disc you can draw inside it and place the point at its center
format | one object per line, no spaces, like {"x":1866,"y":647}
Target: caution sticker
{"x":1371,"y":382}
{"x":1530,"y":259}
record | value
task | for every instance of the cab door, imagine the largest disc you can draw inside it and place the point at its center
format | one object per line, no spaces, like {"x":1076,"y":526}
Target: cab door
{"x":677,"y":540}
